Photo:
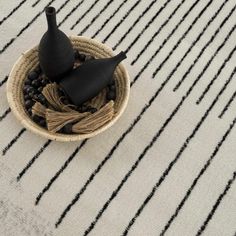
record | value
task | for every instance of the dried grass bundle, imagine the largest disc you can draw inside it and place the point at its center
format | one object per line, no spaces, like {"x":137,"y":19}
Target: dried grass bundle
{"x":95,"y":120}
{"x":56,"y":120}
{"x":50,"y":92}
{"x":83,"y":123}
{"x":39,"y":109}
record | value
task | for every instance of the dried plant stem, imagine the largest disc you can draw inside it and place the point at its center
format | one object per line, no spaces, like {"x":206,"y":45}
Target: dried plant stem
{"x":39,"y":109}
{"x":63,"y":114}
{"x":56,"y":120}
{"x":95,"y":120}
{"x":50,"y":92}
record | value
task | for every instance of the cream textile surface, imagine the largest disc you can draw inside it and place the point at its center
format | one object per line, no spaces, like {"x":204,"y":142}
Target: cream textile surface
{"x":168,"y":166}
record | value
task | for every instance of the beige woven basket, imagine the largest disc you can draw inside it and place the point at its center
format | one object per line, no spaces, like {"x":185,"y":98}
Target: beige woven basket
{"x":29,"y":60}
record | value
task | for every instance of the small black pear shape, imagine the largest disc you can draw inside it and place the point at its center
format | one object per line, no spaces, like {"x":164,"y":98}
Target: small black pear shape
{"x":56,"y":54}
{"x":87,"y":80}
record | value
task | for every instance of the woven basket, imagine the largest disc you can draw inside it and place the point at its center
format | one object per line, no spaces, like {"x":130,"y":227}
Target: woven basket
{"x":29,"y":60}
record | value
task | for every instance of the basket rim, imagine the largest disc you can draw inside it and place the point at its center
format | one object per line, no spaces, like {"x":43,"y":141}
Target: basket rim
{"x":26,"y":122}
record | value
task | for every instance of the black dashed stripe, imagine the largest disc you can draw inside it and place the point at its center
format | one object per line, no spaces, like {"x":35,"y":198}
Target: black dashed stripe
{"x":122,"y":20}
{"x":211,"y":59}
{"x":202,"y":171}
{"x":182,"y":149}
{"x":227,"y":105}
{"x":165,"y":41}
{"x":203,"y":49}
{"x":108,"y":157}
{"x":214,"y":55}
{"x":157,"y":32}
{"x":182,"y":37}
{"x":84,"y":15}
{"x":13,"y":141}
{"x":31,"y":162}
{"x":62,"y":6}
{"x":35,"y":3}
{"x":70,"y":13}
{"x":13,"y":11}
{"x":135,"y":23}
{"x":3,"y":81}
{"x":195,"y":41}
{"x":59,"y":172}
{"x":141,"y":156}
{"x":119,"y":140}
{"x":214,"y":79}
{"x":110,"y":17}
{"x":217,"y":203}
{"x":23,"y":29}
{"x":77,"y":196}
{"x":95,"y":18}
{"x":5,"y":114}
{"x":151,"y":21}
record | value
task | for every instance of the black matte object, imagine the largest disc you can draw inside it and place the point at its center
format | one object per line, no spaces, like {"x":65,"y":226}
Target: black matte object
{"x":56,"y":54}
{"x":87,"y":80}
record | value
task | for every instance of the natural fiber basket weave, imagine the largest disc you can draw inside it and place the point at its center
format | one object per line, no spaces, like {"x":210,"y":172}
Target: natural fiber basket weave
{"x":29,"y":60}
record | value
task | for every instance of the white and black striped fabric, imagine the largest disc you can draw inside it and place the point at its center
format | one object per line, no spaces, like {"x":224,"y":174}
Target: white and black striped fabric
{"x":168,"y":166}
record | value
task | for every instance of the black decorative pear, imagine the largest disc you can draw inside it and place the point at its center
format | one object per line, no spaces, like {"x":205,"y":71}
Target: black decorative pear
{"x":56,"y":54}
{"x":87,"y":80}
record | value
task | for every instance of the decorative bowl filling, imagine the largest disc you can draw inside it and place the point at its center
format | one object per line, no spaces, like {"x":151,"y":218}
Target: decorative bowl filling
{"x":42,"y":107}
{"x":48,"y":106}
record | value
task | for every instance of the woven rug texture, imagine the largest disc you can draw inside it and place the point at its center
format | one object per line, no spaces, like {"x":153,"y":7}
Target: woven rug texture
{"x":168,"y":166}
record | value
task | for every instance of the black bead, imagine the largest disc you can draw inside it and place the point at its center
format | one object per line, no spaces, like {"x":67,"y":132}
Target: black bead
{"x":29,"y":104}
{"x":35,"y":91}
{"x":78,"y":109}
{"x":111,"y":95}
{"x":67,"y":129}
{"x":38,"y":70}
{"x":44,"y":101}
{"x":26,"y":96}
{"x":36,"y":83}
{"x":31,"y":94}
{"x":88,"y":108}
{"x":29,"y":111}
{"x":65,"y":101}
{"x":29,"y":89}
{"x":40,"y":89}
{"x":93,"y":110}
{"x":41,"y":98}
{"x":112,"y":87}
{"x":33,"y":75}
{"x":36,"y":97}
{"x":111,"y":82}
{"x":25,"y":89}
{"x":27,"y":82}
{"x":36,"y":118}
{"x":82,"y":109}
{"x":42,"y":122}
{"x":60,"y":93}
{"x":76,"y":54}
{"x":81,"y":57}
{"x":44,"y":81}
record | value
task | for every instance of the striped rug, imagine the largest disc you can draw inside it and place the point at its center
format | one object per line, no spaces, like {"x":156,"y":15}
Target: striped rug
{"x":168,"y":166}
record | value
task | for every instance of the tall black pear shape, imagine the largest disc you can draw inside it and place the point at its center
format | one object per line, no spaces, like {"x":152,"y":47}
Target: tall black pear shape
{"x":56,"y":55}
{"x":87,"y":80}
